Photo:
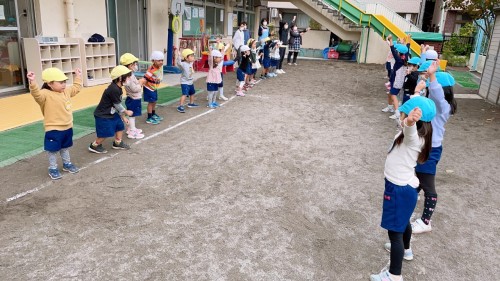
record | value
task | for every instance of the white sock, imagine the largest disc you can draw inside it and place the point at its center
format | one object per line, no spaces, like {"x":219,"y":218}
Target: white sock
{"x":221,"y":92}
{"x":131,"y":123}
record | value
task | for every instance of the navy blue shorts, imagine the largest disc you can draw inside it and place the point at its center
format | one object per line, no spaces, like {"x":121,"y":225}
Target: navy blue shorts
{"x":394,"y":91}
{"x":274,"y":62}
{"x":212,"y":87}
{"x":249,"y":69}
{"x":56,"y":140}
{"x":399,"y":203}
{"x":266,"y":62}
{"x":406,"y":97}
{"x":135,"y":105}
{"x":429,"y":167}
{"x":254,"y":70}
{"x":107,"y":127}
{"x":150,"y":95}
{"x":187,"y":90}
{"x":221,"y":84}
{"x":240,"y":74}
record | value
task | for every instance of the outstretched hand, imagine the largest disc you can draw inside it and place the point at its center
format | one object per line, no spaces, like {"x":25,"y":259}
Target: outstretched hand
{"x":31,"y":76}
{"x":78,"y":72}
{"x":414,"y":116}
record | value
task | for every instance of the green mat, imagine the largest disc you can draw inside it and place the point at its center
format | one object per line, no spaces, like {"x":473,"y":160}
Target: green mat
{"x":464,"y":79}
{"x":26,"y":141}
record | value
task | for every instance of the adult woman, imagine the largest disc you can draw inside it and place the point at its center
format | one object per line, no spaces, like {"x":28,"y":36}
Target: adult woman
{"x":283,"y":37}
{"x":294,"y":44}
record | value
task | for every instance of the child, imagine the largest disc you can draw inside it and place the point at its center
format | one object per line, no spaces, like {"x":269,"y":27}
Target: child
{"x":153,"y":77}
{"x":214,"y":77}
{"x":223,"y":49}
{"x":110,"y":114}
{"x":186,"y":65}
{"x":133,"y":88}
{"x":252,"y":44}
{"x":275,"y":58}
{"x":266,"y":59}
{"x":441,"y":92}
{"x":411,"y":145}
{"x":398,"y":74}
{"x":55,"y":102}
{"x":411,"y":78}
{"x":243,"y":69}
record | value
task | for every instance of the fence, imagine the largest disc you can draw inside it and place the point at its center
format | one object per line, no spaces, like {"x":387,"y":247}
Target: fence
{"x":460,"y":45}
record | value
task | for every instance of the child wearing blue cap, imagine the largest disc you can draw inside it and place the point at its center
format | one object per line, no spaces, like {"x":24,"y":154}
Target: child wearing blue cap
{"x":400,"y":53}
{"x":411,"y":78}
{"x":411,"y":145}
{"x":426,"y":172}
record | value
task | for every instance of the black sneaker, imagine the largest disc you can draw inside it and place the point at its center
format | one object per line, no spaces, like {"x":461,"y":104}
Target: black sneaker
{"x":97,"y":149}
{"x":120,"y":145}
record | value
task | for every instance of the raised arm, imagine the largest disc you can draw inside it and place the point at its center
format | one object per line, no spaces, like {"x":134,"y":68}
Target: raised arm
{"x":77,"y":84}
{"x":34,"y":89}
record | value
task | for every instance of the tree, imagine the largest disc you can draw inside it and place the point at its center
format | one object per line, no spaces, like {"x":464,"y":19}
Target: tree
{"x":477,"y":9}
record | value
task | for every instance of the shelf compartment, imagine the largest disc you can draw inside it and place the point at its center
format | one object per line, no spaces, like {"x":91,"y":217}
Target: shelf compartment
{"x":55,"y":52}
{"x":46,"y":64}
{"x":104,"y":49}
{"x":112,"y":61}
{"x":66,"y":65}
{"x":65,"y":51}
{"x":74,"y":51}
{"x":57,"y":64}
{"x":90,"y":63}
{"x":45,"y":52}
{"x":104,"y":62}
{"x":88,"y":50}
{"x":75,"y":63}
{"x":111,"y":49}
{"x":96,"y":49}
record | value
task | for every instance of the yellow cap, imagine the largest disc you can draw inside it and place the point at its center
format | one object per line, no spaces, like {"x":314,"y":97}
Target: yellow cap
{"x":53,"y":74}
{"x":186,"y":53}
{"x":118,"y":71}
{"x":127,"y":59}
{"x":250,"y":41}
{"x":266,"y":39}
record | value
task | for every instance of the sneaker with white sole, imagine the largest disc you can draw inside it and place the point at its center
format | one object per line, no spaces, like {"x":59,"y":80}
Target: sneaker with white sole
{"x":282,"y":71}
{"x":394,"y":116}
{"x":55,"y":174}
{"x":383,"y":276}
{"x":222,"y":97}
{"x":135,"y":135}
{"x":419,"y":226}
{"x":240,"y":94}
{"x":69,"y":167}
{"x":388,"y":108}
{"x":121,"y":145}
{"x":408,"y":252}
{"x":97,"y":149}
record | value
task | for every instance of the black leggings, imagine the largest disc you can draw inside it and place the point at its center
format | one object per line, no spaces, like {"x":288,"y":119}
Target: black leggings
{"x":282,"y":57}
{"x":399,"y":242}
{"x":295,"y":54}
{"x":428,"y":185}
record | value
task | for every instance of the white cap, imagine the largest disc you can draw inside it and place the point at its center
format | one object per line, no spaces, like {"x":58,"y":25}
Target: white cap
{"x":431,"y":55}
{"x":157,"y":55}
{"x":244,"y":48}
{"x":216,"y":54}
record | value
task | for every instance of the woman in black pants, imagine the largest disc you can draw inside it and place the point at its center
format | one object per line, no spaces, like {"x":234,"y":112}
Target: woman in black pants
{"x":294,"y":44}
{"x":283,"y":37}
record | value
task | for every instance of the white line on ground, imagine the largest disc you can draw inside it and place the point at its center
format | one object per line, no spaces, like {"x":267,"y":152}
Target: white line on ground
{"x":468,"y":96}
{"x":102,"y":159}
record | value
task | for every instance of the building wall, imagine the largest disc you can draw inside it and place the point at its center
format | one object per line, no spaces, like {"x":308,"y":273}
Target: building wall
{"x":51,"y":17}
{"x":316,"y":39}
{"x":158,"y":24}
{"x":490,"y":80}
{"x":449,"y":24}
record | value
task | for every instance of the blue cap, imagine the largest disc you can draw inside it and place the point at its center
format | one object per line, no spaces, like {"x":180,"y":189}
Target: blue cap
{"x":425,"y":65}
{"x":402,"y":49}
{"x":445,"y":79}
{"x":414,"y":60}
{"x":427,"y":106}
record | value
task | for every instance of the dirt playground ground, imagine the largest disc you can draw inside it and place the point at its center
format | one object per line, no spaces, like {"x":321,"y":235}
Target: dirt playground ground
{"x":284,"y":184}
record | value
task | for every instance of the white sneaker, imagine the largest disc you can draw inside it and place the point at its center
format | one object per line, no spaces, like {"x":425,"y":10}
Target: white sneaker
{"x":394,"y":116}
{"x":282,"y":71}
{"x":419,"y":226}
{"x":135,"y":135}
{"x":408,"y":252}
{"x":388,"y":109}
{"x":383,"y":276}
{"x":222,"y":97}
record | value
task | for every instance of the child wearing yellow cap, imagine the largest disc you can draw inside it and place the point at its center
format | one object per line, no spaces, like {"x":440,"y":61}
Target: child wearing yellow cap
{"x":187,"y":79}
{"x":110,"y":115}
{"x":153,"y":77}
{"x":55,"y":102}
{"x":133,"y":88}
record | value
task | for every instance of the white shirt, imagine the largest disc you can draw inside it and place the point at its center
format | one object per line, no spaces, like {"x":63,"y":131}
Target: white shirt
{"x":401,"y":161}
{"x":238,"y":39}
